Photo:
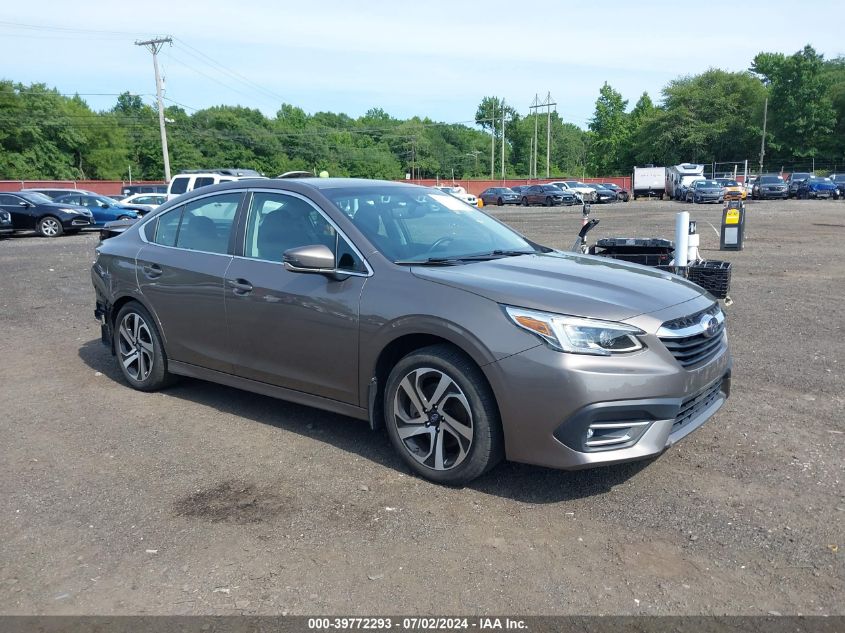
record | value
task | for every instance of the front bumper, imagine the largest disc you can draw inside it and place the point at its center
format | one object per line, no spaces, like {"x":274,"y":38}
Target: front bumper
{"x":549,"y":401}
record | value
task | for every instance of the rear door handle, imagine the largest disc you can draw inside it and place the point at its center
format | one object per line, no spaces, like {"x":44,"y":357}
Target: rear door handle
{"x":240,"y":287}
{"x":152,"y":271}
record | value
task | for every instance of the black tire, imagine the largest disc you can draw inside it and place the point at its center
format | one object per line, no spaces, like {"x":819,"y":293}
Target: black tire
{"x":499,"y":202}
{"x":524,"y":201}
{"x":123,"y":217}
{"x":486,"y":446}
{"x":49,"y":226}
{"x":547,"y":202}
{"x":157,"y":377}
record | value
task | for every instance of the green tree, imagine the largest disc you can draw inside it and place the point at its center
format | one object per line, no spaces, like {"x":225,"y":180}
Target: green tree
{"x":801,"y":111}
{"x":609,"y":132}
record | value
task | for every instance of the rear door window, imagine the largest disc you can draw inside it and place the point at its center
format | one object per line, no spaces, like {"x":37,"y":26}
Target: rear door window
{"x":166,"y":227}
{"x":203,"y":181}
{"x":207,"y":223}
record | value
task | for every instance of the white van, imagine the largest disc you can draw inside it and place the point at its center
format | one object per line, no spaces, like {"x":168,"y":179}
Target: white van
{"x":194,"y":179}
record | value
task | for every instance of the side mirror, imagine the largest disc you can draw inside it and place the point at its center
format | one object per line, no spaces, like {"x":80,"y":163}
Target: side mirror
{"x":105,"y":205}
{"x":24,"y":204}
{"x":316,"y":258}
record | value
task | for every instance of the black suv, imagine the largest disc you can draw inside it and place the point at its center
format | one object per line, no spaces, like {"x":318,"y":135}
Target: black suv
{"x":35,"y":211}
{"x":547,"y":195}
{"x":769,"y":186}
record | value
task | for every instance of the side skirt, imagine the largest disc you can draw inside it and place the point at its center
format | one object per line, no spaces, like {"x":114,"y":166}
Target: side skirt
{"x":265,"y":389}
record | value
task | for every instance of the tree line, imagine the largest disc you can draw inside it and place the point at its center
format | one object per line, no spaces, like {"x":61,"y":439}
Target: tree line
{"x":712,"y":116}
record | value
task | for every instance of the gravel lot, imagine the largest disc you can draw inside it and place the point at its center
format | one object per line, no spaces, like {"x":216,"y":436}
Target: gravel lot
{"x":204,"y":499}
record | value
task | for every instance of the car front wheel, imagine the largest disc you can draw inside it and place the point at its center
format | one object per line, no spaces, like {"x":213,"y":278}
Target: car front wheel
{"x":139,"y":350}
{"x":441,"y":416}
{"x":49,"y":227}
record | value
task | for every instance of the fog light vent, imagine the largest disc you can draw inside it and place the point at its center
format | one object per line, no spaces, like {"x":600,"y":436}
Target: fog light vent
{"x":609,"y":435}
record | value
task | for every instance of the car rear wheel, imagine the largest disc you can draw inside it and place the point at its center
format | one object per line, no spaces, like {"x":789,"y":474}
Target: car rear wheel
{"x":499,"y":202}
{"x":524,"y":202}
{"x":124,"y":217}
{"x":49,"y":226}
{"x":139,"y":350}
{"x":441,"y":416}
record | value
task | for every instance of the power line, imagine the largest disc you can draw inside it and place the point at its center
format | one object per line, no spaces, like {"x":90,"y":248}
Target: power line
{"x":198,"y":54}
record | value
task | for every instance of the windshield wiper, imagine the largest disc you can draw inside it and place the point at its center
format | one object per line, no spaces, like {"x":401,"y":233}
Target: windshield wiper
{"x":494,"y":255}
{"x":431,"y":261}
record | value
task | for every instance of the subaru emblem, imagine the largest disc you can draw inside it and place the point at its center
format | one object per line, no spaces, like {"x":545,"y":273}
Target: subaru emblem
{"x":709,"y":325}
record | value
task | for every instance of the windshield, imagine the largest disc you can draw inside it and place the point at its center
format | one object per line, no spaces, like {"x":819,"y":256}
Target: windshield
{"x":799,"y":176}
{"x":415,"y":224}
{"x":34,"y":197}
{"x":820,"y":180}
{"x":610,"y":185}
{"x":728,"y":183}
{"x":771,"y":180}
{"x":701,"y":184}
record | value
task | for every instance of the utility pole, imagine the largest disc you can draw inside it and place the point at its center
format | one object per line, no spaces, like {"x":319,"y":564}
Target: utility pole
{"x":475,"y":154}
{"x":549,"y":103}
{"x":533,"y":166}
{"x":763,"y":141}
{"x":493,"y":145}
{"x":503,"y":140}
{"x":154,"y":46}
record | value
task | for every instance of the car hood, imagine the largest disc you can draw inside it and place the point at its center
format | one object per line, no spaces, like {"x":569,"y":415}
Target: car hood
{"x":707,"y":189}
{"x":821,"y":185}
{"x":578,"y":285}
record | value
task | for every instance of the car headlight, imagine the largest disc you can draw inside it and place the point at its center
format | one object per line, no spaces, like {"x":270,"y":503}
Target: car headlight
{"x":72,"y":211}
{"x":577,"y":335}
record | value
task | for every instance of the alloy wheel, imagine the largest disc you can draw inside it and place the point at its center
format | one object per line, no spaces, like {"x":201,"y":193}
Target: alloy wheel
{"x":135,"y":343}
{"x":433,"y":419}
{"x":50,"y":227}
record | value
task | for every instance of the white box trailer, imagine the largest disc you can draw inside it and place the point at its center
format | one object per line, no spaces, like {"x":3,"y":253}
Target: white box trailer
{"x":649,"y":181}
{"x":678,"y":177}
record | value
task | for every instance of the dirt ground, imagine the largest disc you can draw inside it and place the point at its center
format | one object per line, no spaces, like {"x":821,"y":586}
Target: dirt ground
{"x":204,"y":499}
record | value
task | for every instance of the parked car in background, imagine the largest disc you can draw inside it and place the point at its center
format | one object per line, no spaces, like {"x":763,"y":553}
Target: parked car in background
{"x":131,"y":190}
{"x":569,"y":197}
{"x":6,"y":226}
{"x":584,"y":193}
{"x":387,"y":302}
{"x":796,"y":179}
{"x":191,"y":179}
{"x":547,"y":195}
{"x":622,"y":194}
{"x":769,"y":186}
{"x":460,"y":193}
{"x":146,"y":201}
{"x":702,"y":191}
{"x":602,"y":194}
{"x":102,"y":208}
{"x":839,"y":181}
{"x":32,"y":211}
{"x":732,"y":188}
{"x":819,"y":188}
{"x":519,"y":188}
{"x":499,"y":196}
{"x":58,"y":192}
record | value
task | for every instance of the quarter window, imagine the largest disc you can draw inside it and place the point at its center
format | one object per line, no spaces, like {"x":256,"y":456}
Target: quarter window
{"x":166,"y":227}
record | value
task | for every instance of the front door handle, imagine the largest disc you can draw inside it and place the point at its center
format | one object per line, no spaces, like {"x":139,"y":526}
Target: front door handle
{"x":240,"y":287}
{"x":152,"y":271}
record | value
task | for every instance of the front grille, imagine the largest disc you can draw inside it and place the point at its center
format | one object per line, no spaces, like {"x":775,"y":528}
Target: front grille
{"x":688,"y":341}
{"x":692,"y":407}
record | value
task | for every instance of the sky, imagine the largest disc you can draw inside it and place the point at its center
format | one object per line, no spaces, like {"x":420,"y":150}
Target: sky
{"x":436,"y":59}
